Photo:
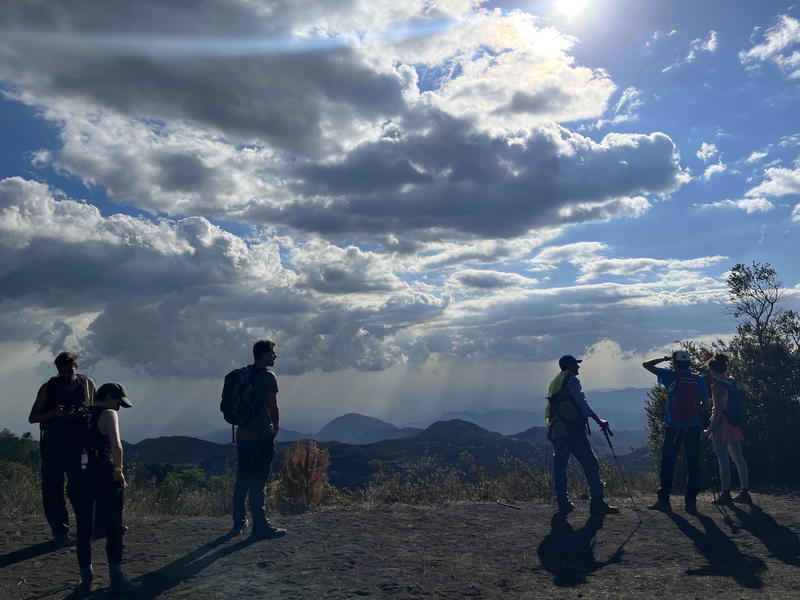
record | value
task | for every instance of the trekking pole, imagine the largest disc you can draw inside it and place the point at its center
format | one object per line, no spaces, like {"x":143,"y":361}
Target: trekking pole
{"x":607,"y":433}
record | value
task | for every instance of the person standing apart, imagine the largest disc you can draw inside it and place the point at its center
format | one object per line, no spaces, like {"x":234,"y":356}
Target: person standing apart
{"x":255,"y":446}
{"x":57,"y":409}
{"x":567,"y":415}
{"x":726,"y":437}
{"x":105,"y":489}
{"x":686,"y":403}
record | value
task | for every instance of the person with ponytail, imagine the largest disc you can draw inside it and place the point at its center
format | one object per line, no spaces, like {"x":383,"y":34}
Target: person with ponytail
{"x":727,"y":438}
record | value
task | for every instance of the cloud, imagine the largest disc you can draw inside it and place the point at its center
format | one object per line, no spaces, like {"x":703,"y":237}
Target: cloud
{"x":779,"y":182}
{"x":707,"y":152}
{"x":659,"y":34}
{"x":451,"y":133}
{"x":625,"y":110}
{"x":756,"y":156}
{"x":586,"y":256}
{"x":748,"y":205}
{"x":782,"y":37}
{"x":330,"y":269}
{"x":170,"y":298}
{"x":697,"y":46}
{"x":480,"y":279}
{"x":714,"y":169}
{"x":574,"y":253}
{"x":796,"y":213}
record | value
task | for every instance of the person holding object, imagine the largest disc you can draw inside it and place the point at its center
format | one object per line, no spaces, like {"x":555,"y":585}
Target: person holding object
{"x":686,"y":404}
{"x":567,"y":414}
{"x":726,"y":437}
{"x":57,"y":409}
{"x":105,"y":488}
{"x":255,"y":445}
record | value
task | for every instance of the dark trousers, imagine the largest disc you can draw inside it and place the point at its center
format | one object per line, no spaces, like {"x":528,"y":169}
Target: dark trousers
{"x":254,"y":459}
{"x":674,"y":438}
{"x":104,"y":494}
{"x":61,"y":456}
{"x":580,"y":448}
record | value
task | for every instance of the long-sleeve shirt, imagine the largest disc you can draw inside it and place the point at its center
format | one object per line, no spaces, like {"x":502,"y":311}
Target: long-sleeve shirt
{"x":575,"y":390}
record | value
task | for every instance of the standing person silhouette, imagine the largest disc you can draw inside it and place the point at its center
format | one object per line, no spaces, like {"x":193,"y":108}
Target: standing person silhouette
{"x":57,"y":408}
{"x":255,"y":446}
{"x":567,"y":415}
{"x":727,"y":438}
{"x":686,"y":404}
{"x":104,"y":489}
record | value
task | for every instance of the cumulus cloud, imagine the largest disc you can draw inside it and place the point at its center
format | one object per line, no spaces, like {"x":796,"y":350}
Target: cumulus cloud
{"x":779,"y":47}
{"x":455,"y":182}
{"x":170,"y":298}
{"x":779,"y":181}
{"x":378,"y":133}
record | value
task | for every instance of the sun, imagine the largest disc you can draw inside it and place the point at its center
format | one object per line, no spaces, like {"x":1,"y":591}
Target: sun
{"x":570,"y":8}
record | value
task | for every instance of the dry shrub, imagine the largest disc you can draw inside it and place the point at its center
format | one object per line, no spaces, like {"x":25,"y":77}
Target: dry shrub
{"x":303,"y":478}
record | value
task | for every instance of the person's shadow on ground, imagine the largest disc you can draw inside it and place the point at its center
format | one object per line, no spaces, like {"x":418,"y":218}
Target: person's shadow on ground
{"x":157,"y":582}
{"x":723,"y":556}
{"x":782,"y":542}
{"x":569,"y":554}
{"x":33,"y":551}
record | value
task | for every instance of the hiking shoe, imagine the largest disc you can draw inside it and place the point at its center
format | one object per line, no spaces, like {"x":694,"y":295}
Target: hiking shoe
{"x":601,"y":508}
{"x":120,"y":584}
{"x":724,"y":498}
{"x":565,"y":506}
{"x":239,"y":528}
{"x":661,"y":504}
{"x":690,"y":506}
{"x":743,"y":497}
{"x":83,"y":589}
{"x":267,"y":532}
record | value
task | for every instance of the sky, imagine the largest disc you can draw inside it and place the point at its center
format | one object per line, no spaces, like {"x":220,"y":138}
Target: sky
{"x":423,"y":203}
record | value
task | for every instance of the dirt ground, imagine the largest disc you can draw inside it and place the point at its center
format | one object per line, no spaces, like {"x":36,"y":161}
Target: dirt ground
{"x":475,"y":550}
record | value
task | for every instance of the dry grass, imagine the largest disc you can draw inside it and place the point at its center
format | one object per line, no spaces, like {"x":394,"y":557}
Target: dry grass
{"x":303,"y":485}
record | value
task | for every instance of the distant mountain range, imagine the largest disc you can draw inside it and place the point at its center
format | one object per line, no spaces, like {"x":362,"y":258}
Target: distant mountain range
{"x":352,"y":465}
{"x":623,"y":408}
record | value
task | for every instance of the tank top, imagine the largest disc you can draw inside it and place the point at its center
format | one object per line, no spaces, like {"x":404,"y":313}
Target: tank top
{"x":98,"y":448}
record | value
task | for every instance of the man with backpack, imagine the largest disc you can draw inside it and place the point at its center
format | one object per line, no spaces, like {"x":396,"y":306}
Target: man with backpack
{"x":567,"y":414}
{"x":685,"y":409}
{"x":58,"y":410}
{"x":250,"y":401}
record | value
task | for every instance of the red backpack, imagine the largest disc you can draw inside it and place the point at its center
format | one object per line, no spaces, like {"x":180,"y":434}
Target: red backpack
{"x":686,"y":398}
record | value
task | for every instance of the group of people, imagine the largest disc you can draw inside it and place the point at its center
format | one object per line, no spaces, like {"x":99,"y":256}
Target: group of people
{"x":688,"y":406}
{"x":80,"y":439}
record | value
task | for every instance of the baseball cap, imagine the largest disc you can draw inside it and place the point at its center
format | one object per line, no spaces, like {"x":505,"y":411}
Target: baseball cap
{"x":115,"y":390}
{"x":568,"y":360}
{"x":681,"y":356}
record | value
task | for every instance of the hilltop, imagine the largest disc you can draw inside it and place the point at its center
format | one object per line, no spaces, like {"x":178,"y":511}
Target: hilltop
{"x":465,"y":550}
